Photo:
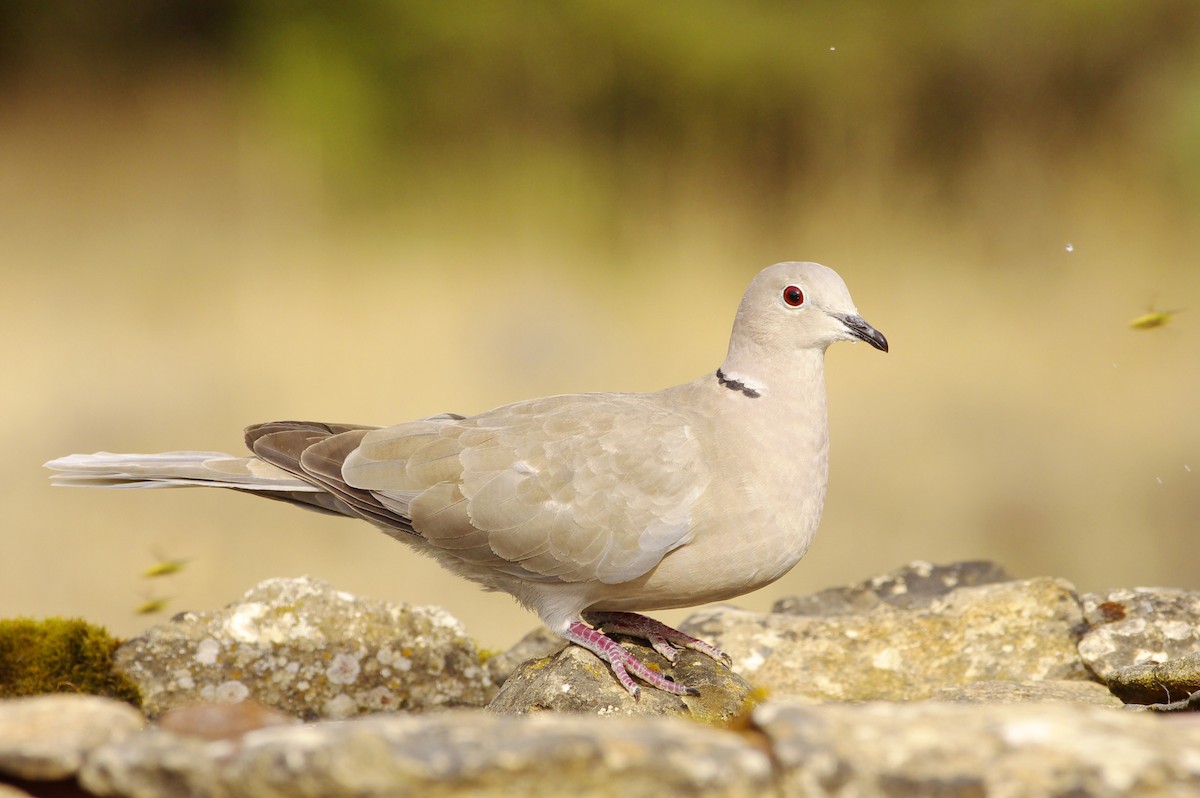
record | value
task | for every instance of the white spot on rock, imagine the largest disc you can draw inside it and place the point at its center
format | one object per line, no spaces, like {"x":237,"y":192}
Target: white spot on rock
{"x":243,"y":624}
{"x":753,"y":662}
{"x":343,"y":670}
{"x":339,"y":707}
{"x":1027,"y":732}
{"x":184,"y":680}
{"x":1176,"y":630}
{"x":231,"y":692}
{"x":207,"y":651}
{"x":887,"y":660}
{"x":380,"y":698}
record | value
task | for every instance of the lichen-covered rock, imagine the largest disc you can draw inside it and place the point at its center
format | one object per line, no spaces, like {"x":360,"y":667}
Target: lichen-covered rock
{"x":1017,"y":630}
{"x":1157,"y":683}
{"x":305,"y":648}
{"x":446,"y":754}
{"x":911,"y":586}
{"x":539,"y":643}
{"x":576,"y":680}
{"x":1024,"y":692}
{"x":933,"y":748}
{"x":1138,"y":626}
{"x":47,"y":737}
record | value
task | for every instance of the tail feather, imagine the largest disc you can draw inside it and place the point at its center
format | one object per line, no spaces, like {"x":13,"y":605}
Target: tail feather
{"x":174,"y":469}
{"x":295,"y":461}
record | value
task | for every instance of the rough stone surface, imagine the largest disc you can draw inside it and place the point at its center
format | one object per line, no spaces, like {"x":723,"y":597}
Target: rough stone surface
{"x":1137,"y":626}
{"x":912,"y":586}
{"x":47,"y":737}
{"x":1011,"y":715}
{"x":1017,"y":630}
{"x":1155,"y":683}
{"x":444,"y":754}
{"x":1024,"y":692}
{"x":1189,"y":704}
{"x":213,"y":720}
{"x":940,"y":749}
{"x":305,"y":648}
{"x":539,"y":643}
{"x":576,"y":680}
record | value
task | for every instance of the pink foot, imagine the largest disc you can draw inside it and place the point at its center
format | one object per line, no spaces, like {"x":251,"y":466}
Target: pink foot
{"x":622,"y":662}
{"x":665,"y":639}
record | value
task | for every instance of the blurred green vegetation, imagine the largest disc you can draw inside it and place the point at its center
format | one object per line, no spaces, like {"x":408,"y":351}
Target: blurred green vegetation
{"x":773,"y":99}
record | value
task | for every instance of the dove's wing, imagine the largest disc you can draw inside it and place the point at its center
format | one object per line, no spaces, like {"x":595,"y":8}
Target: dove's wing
{"x":572,"y":488}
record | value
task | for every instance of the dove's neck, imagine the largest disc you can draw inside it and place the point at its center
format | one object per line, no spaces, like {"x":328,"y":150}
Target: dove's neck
{"x":783,"y":422}
{"x":797,"y":378}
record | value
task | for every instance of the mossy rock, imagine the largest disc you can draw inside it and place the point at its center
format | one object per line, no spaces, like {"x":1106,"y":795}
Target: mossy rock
{"x":59,"y":655}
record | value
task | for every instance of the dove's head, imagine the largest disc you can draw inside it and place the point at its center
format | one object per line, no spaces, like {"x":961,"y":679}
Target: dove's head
{"x":795,"y":306}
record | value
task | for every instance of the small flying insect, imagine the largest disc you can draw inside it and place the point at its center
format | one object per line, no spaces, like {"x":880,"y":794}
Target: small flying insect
{"x":164,"y":567}
{"x":151,"y":606}
{"x":1155,"y":318}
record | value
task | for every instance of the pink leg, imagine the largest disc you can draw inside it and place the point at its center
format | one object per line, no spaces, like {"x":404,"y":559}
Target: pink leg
{"x":665,"y":639}
{"x":622,"y":662}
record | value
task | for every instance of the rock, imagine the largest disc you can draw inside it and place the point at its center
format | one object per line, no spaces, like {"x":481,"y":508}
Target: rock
{"x":541,"y":642}
{"x":47,"y":737}
{"x":1139,"y":626}
{"x":1153,"y":683}
{"x":1189,"y":704}
{"x":212,"y":720}
{"x":1023,"y":692}
{"x":912,"y":586}
{"x":1017,"y":630}
{"x":941,"y":749}
{"x":576,"y":680}
{"x":302,"y":647}
{"x":466,"y":752}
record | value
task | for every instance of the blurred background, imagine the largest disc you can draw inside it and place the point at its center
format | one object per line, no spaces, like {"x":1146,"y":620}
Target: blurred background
{"x":214,"y":213}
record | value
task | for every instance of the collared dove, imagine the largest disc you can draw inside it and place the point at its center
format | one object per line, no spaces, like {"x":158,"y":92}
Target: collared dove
{"x":585,"y":506}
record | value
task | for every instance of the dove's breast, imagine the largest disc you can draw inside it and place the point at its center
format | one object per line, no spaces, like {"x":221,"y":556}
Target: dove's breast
{"x":768,"y":470}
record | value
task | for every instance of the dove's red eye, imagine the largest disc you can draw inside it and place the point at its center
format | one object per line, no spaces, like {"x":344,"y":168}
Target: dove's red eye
{"x":793,"y":296}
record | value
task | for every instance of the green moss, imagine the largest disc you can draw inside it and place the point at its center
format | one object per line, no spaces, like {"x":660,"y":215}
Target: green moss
{"x":59,"y":655}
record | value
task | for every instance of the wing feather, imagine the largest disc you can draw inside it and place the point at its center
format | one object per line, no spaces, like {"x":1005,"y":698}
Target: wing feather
{"x":572,"y":488}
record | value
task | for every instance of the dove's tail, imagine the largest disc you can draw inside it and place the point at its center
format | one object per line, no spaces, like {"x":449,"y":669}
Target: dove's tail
{"x":190,"y":469}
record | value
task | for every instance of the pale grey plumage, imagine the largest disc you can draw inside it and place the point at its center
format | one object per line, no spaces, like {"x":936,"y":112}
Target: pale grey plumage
{"x":587,"y":502}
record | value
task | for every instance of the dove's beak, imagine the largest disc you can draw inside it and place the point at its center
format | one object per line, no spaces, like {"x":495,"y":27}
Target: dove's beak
{"x":859,"y":328}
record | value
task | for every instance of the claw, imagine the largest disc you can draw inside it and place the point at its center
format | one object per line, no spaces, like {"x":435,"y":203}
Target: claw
{"x":662,"y":637}
{"x":665,"y":640}
{"x":622,"y":662}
